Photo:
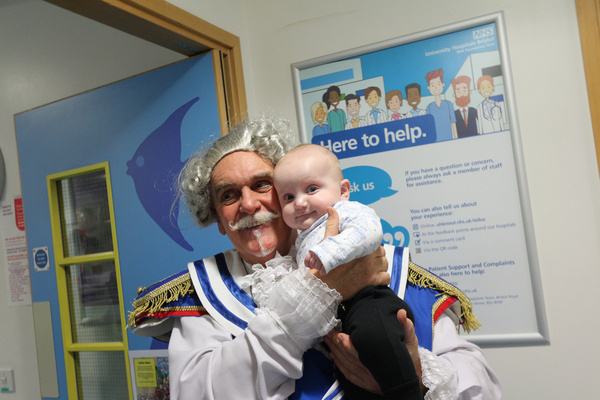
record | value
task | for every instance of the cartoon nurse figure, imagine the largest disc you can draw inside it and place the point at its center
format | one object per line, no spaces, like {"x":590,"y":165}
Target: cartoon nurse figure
{"x":318,"y":111}
{"x":393,"y":101}
{"x":336,"y":117}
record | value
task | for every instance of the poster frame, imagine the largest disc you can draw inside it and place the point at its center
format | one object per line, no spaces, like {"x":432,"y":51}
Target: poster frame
{"x":541,"y":337}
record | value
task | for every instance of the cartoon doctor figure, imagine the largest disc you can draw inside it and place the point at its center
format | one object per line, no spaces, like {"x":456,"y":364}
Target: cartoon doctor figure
{"x":490,"y":112}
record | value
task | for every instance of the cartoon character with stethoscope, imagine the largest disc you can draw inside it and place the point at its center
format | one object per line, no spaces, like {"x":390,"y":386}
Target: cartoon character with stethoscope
{"x":490,"y":112}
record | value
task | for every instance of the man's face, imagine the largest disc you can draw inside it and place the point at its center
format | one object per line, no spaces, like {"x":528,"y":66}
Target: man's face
{"x":486,"y":89}
{"x":436,"y":86}
{"x":353,"y":107}
{"x":413,"y":97}
{"x":373,"y":99}
{"x":243,"y":195}
{"x":462,"y":94}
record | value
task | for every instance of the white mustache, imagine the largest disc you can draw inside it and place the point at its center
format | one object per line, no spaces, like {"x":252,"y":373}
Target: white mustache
{"x":250,"y":221}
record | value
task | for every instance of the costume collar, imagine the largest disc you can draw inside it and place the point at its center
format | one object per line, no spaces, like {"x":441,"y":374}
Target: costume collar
{"x":217,"y":282}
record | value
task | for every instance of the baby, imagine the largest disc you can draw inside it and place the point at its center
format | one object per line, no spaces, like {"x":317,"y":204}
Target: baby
{"x":308,"y":180}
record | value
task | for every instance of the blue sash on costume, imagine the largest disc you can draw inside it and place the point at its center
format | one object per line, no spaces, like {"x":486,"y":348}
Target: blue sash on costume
{"x":230,"y":284}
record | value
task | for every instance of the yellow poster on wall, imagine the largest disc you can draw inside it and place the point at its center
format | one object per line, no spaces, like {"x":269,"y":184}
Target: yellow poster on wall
{"x":145,"y":372}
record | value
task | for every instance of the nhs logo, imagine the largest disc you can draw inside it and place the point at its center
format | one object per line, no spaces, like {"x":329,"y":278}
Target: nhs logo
{"x":481,"y":33}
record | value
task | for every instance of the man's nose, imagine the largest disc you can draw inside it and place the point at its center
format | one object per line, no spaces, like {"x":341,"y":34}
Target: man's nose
{"x":250,"y":201}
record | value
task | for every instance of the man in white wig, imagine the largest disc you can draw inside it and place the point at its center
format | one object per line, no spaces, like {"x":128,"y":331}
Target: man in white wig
{"x":234,"y":337}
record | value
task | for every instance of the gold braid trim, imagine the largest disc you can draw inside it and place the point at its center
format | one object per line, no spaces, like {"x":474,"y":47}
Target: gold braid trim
{"x":153,"y":301}
{"x":423,"y":278}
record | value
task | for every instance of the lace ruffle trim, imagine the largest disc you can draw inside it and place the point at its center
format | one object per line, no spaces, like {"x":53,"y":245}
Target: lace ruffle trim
{"x":440,"y":382}
{"x":300,"y":302}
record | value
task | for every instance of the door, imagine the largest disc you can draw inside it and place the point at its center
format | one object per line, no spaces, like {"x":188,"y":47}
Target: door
{"x":97,"y":174}
{"x":588,"y":15}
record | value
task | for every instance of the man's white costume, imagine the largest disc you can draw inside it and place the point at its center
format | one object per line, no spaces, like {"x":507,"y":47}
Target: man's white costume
{"x":268,"y":333}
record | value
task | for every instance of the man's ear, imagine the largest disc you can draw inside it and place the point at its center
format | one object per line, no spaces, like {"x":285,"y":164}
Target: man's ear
{"x":221,"y":228}
{"x":345,"y":195}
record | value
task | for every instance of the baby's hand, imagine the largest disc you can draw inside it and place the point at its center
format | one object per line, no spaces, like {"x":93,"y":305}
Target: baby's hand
{"x":313,"y":262}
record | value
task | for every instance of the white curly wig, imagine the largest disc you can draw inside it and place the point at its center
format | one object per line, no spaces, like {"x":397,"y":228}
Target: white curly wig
{"x":269,"y":137}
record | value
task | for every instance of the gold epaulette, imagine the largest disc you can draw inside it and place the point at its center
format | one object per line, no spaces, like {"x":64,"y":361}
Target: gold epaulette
{"x":166,"y":291}
{"x":423,"y":278}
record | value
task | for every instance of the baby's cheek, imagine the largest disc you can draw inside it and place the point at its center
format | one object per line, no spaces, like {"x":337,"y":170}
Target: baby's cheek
{"x":288,"y":217}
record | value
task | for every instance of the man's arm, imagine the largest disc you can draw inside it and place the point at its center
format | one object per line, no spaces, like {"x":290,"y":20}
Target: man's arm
{"x":206,"y":363}
{"x":474,"y":377}
{"x":263,"y":361}
{"x":455,"y":367}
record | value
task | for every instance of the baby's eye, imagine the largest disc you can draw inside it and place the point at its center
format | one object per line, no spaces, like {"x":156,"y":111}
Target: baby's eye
{"x":288,"y":197}
{"x":312,"y":189}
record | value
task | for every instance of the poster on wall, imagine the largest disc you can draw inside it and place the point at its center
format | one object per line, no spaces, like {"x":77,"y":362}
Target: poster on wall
{"x":150,"y":371}
{"x":14,"y":247}
{"x":426,"y":130}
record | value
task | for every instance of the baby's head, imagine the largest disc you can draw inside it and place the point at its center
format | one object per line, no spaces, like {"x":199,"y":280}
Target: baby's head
{"x":308,"y":179}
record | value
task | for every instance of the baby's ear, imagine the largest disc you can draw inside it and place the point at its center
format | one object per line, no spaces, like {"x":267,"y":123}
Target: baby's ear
{"x":345,"y":195}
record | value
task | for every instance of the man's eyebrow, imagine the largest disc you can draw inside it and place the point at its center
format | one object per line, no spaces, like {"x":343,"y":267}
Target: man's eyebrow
{"x":222,"y":186}
{"x":266,"y":174}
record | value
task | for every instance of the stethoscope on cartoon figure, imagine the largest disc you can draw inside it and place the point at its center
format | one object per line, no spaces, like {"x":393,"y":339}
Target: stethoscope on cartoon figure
{"x":492,"y":111}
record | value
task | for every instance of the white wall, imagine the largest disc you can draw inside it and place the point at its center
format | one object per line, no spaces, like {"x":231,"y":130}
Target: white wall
{"x":46,"y":54}
{"x":554,"y":118}
{"x":546,"y":60}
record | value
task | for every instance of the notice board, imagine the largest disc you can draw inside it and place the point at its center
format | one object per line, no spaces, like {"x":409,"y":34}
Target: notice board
{"x":426,"y":129}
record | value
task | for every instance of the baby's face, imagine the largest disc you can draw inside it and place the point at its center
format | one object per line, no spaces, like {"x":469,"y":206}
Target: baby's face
{"x":305,"y":186}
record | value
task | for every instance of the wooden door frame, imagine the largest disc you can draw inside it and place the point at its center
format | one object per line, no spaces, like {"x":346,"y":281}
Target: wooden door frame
{"x":162,"y":23}
{"x":588,"y":15}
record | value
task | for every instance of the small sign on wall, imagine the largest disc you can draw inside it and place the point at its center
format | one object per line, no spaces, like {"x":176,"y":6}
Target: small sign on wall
{"x":40,"y":258}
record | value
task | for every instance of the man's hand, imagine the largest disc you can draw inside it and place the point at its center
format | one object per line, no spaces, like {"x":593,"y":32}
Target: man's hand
{"x":412,"y":345}
{"x":346,"y":358}
{"x":348,"y":279}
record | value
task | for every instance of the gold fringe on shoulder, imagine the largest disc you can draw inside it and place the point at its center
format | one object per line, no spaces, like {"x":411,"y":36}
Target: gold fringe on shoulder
{"x":423,"y":278}
{"x":154,"y":300}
